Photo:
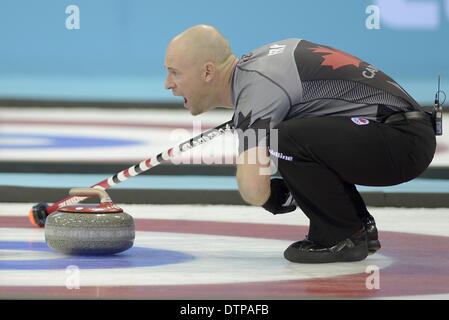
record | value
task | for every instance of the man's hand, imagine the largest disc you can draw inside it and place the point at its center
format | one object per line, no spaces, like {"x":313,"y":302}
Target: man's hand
{"x":280,"y":200}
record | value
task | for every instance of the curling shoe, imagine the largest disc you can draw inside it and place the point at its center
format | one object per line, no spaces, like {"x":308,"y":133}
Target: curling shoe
{"x":355,"y":248}
{"x":372,"y":235}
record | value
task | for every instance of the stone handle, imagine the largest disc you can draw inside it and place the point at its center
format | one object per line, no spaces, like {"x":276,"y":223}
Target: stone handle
{"x":90,"y":192}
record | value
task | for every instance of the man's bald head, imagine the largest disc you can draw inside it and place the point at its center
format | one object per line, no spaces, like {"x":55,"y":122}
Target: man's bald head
{"x":200,"y":44}
{"x":200,"y":63}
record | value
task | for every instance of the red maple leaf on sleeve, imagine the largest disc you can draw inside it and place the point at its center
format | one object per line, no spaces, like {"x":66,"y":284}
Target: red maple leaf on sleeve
{"x":335,"y":58}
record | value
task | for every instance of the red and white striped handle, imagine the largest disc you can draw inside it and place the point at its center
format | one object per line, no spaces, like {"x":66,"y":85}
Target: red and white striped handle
{"x":147,"y":164}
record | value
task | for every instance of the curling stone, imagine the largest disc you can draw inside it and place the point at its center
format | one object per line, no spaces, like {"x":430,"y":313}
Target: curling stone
{"x":87,"y":229}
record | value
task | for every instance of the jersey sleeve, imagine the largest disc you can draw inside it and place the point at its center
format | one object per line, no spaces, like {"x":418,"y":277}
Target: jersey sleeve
{"x":261,"y":105}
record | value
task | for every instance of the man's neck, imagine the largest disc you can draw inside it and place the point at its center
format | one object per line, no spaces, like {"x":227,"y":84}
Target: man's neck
{"x":227,"y":82}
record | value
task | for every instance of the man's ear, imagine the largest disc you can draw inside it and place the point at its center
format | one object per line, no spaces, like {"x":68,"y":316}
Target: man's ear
{"x":208,"y":71}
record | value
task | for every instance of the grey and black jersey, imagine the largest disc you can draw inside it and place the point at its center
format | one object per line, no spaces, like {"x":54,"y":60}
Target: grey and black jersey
{"x":296,"y":78}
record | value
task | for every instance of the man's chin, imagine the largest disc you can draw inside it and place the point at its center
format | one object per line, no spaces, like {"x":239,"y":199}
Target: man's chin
{"x":195,"y":112}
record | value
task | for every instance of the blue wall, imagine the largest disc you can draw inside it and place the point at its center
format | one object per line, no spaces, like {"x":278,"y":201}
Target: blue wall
{"x":118,"y":52}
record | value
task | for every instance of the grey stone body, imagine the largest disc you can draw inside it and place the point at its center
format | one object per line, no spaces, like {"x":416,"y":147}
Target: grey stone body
{"x":89,"y":233}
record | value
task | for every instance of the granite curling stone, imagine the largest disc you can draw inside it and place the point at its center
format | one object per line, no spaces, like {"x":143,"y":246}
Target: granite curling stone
{"x":86,"y":229}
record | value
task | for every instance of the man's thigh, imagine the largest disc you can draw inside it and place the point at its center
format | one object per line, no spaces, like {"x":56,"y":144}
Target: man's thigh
{"x":358,"y":153}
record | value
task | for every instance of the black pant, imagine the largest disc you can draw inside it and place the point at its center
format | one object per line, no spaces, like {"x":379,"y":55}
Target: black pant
{"x":332,"y":154}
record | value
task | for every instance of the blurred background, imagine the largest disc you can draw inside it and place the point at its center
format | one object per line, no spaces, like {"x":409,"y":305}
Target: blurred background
{"x":117,"y":54}
{"x":82,"y":87}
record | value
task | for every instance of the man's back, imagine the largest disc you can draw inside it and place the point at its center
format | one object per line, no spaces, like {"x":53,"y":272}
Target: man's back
{"x":295,"y":78}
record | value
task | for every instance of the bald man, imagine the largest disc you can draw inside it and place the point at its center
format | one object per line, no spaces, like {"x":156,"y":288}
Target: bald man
{"x":326,"y":118}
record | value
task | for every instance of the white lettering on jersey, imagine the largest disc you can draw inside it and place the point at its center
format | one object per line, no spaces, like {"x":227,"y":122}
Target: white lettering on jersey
{"x":276,"y":49}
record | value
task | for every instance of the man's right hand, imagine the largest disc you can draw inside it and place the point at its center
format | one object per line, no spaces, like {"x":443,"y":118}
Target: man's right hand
{"x":280,"y":200}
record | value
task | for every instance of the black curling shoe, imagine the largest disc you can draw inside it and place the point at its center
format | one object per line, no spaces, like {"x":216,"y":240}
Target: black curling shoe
{"x":354,"y":248}
{"x":372,"y":235}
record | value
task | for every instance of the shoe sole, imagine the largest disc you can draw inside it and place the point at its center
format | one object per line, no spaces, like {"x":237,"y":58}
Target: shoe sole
{"x":356,"y":253}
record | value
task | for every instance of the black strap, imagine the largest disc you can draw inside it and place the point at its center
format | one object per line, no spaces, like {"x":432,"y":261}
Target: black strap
{"x":413,"y":115}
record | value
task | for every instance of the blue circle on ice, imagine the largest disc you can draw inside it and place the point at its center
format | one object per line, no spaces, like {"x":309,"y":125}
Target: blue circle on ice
{"x":132,"y":258}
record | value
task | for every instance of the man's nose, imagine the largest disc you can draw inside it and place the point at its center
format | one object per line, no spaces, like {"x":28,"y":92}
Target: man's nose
{"x":169,"y":84}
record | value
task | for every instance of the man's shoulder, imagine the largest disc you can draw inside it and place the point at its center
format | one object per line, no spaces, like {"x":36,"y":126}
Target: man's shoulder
{"x":267,"y":53}
{"x":270,"y":69}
